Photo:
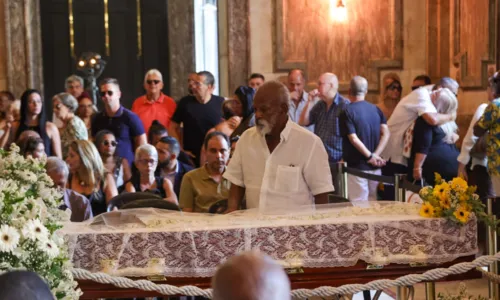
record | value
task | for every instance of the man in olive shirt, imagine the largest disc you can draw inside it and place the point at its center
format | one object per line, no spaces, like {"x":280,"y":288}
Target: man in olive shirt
{"x":203,"y":187}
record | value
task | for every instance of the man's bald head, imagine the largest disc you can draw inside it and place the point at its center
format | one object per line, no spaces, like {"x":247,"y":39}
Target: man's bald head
{"x":251,"y":276}
{"x":296,"y":81}
{"x":358,"y":86}
{"x":328,"y":85}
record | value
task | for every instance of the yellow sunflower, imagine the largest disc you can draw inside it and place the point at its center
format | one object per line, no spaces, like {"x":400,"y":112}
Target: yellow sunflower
{"x":427,"y":210}
{"x":445,"y":202}
{"x":459,"y":184}
{"x":461,"y":214}
{"x":440,"y":190}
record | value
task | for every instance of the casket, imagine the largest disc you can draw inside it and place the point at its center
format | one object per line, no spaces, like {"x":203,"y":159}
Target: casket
{"x":330,"y":245}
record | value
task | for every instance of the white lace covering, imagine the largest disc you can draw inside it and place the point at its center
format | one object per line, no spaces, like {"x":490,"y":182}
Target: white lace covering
{"x":142,"y":242}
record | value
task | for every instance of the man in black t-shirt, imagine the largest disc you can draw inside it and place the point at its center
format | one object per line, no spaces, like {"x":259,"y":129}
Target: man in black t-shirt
{"x":198,"y":113}
{"x":365,"y":134}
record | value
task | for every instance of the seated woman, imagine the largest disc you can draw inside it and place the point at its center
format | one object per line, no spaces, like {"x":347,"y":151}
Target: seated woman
{"x":33,"y":146}
{"x":105,"y":142}
{"x":12,"y":115}
{"x":87,"y":175}
{"x":433,"y":147}
{"x":146,"y":160}
{"x":33,"y":118}
{"x":73,"y":128}
{"x":86,"y":110}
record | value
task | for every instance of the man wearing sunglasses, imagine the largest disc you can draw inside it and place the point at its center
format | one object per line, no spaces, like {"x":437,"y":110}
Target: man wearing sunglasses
{"x":154,"y":105}
{"x":123,"y":123}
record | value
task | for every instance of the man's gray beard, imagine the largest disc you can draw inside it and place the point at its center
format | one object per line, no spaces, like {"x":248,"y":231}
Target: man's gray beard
{"x":264,"y":128}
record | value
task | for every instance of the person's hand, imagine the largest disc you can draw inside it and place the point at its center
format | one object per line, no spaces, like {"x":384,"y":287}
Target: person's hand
{"x":294,"y":96}
{"x":190,"y":154}
{"x":7,"y":126}
{"x":453,"y":116}
{"x":417,"y":173}
{"x":230,"y":210}
{"x":376,"y":161}
{"x":313,"y":95}
{"x":234,"y":122}
{"x":462,"y":172}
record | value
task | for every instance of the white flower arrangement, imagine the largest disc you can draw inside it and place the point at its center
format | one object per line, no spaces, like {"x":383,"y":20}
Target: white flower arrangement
{"x":29,"y":219}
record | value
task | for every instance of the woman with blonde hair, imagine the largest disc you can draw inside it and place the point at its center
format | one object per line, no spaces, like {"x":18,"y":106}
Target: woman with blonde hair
{"x":433,"y":148}
{"x":391,"y":94}
{"x":73,"y":128}
{"x":87,"y":175}
{"x":146,"y":161}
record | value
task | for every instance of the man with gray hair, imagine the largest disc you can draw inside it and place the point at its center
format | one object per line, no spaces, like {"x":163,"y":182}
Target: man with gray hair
{"x":324,"y":115}
{"x":365,"y":133}
{"x":154,"y":105}
{"x":251,"y":276}
{"x":78,"y":204}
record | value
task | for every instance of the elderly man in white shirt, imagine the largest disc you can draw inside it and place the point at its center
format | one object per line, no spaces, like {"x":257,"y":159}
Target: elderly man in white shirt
{"x":278,"y":165}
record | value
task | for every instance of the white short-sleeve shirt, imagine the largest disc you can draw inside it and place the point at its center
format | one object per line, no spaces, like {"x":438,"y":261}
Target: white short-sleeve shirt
{"x":288,"y":177}
{"x":406,"y":112}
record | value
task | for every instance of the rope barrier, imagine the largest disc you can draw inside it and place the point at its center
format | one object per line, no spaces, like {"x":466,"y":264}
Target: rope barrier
{"x":324,"y":291}
{"x":491,"y":276}
{"x":373,"y":177}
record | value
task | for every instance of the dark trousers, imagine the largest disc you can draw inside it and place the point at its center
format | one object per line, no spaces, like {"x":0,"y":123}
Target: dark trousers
{"x":334,"y":170}
{"x":479,"y":177}
{"x":391,"y":169}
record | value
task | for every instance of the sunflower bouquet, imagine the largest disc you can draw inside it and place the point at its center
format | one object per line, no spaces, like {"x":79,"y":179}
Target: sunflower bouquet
{"x":29,"y":220}
{"x":454,"y":200}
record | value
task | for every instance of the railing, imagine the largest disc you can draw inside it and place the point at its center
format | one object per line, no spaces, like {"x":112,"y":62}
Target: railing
{"x":401,"y":184}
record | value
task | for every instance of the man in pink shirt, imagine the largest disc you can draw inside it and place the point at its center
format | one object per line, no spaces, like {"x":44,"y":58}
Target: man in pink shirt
{"x":154,"y":105}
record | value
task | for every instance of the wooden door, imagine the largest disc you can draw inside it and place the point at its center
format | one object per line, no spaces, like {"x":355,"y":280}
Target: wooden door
{"x":129,"y":58}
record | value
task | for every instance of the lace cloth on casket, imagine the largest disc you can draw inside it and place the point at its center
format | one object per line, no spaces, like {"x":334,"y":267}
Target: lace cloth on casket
{"x":143,"y":242}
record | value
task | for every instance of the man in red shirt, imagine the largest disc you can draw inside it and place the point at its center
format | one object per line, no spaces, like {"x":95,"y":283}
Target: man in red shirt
{"x":154,"y":105}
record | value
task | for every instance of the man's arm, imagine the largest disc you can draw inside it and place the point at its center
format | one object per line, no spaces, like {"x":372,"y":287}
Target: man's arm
{"x":358,"y":144}
{"x":436,"y":119}
{"x":479,"y":131}
{"x":174,"y":130}
{"x":385,"y":134}
{"x":305,"y":116}
{"x":187,"y":194}
{"x":140,"y":140}
{"x":236,"y":194}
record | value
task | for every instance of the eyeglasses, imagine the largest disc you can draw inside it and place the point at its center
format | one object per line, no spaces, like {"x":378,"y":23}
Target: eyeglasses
{"x":147,"y":161}
{"x":58,"y":106}
{"x":104,"y":93}
{"x":395,"y":87}
{"x":112,"y":143}
{"x":150,"y":82}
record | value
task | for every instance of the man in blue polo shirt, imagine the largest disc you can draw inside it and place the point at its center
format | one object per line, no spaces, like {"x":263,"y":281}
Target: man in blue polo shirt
{"x":125,"y":125}
{"x":199,"y":113}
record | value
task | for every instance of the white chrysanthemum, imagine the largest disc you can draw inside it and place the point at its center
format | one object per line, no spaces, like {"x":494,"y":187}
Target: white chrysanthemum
{"x":35,"y":230}
{"x":9,"y":238}
{"x":49,"y":247}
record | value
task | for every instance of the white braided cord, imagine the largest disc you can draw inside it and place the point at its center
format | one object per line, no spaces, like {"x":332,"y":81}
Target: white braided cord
{"x":491,"y":276}
{"x":324,"y":291}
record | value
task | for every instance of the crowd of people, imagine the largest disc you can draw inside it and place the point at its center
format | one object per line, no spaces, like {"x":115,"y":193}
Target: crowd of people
{"x":270,"y":145}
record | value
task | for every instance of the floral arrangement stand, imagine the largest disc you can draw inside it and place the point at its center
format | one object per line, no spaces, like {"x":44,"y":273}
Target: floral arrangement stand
{"x":29,"y":221}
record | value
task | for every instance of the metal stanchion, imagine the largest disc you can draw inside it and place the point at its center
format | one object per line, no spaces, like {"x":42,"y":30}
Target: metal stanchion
{"x":401,"y":293}
{"x":343,"y":179}
{"x":430,"y":291}
{"x":400,"y":191}
{"x":492,"y":250}
{"x":397,"y":186}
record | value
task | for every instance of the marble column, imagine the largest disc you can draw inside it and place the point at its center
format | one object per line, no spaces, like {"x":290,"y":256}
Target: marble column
{"x":23,"y":45}
{"x":238,"y":43}
{"x":181,"y":45}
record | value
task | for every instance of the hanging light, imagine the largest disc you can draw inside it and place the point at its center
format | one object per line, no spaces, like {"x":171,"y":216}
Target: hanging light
{"x":338,"y":11}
